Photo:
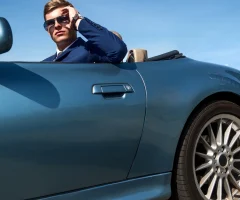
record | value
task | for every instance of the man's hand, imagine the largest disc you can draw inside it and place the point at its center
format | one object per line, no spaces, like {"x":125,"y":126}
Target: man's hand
{"x":71,"y":12}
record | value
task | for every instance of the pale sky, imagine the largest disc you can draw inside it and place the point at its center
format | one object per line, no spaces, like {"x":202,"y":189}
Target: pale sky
{"x":206,"y":30}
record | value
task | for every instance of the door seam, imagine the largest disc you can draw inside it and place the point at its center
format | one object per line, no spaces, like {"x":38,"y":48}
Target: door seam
{"x":144,"y":119}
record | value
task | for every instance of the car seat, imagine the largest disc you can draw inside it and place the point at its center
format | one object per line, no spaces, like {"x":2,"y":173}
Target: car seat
{"x":137,"y":55}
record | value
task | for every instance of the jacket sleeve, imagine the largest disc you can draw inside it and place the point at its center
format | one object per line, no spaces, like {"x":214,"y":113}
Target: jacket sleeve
{"x":103,"y":44}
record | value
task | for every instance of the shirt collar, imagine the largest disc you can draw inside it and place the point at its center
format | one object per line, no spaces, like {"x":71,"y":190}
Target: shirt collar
{"x":58,"y":51}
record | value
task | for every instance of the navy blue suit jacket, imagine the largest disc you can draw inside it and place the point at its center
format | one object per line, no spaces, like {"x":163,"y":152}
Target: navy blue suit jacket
{"x":102,"y":46}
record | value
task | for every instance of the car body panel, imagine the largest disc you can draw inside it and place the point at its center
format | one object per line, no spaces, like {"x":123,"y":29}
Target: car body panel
{"x":174,"y":88}
{"x":57,"y":136}
{"x":98,"y":131}
{"x":156,"y":187}
{"x":60,"y":137}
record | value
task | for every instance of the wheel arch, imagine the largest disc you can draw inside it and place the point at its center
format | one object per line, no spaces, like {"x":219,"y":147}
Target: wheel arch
{"x":228,"y":96}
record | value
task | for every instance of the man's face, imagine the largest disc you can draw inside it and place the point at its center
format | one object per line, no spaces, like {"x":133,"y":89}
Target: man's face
{"x":61,"y":30}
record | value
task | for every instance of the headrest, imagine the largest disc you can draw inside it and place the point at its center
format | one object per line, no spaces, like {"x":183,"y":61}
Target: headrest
{"x":137,"y":55}
{"x":117,"y":34}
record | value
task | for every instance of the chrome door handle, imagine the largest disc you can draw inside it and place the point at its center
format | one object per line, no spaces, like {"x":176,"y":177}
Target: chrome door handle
{"x":111,"y":88}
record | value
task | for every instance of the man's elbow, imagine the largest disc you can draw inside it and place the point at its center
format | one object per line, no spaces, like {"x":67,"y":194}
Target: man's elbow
{"x":120,"y":53}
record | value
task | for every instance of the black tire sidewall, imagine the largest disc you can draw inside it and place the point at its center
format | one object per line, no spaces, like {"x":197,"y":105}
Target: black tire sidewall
{"x":216,"y":108}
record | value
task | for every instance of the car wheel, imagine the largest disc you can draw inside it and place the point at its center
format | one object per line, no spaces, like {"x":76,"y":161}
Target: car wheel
{"x":208,"y":165}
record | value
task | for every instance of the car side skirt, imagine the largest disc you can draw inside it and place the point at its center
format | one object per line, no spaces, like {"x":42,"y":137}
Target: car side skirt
{"x":144,"y":188}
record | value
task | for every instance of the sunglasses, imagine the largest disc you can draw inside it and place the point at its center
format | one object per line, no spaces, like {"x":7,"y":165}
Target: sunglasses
{"x":51,"y":22}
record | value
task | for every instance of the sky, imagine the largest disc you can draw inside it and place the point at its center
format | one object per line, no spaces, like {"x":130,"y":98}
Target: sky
{"x":206,"y":30}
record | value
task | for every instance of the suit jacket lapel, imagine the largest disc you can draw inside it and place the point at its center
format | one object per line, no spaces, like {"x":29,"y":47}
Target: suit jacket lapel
{"x":66,"y":52}
{"x":62,"y":55}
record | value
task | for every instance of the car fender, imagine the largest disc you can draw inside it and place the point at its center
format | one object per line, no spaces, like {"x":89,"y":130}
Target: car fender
{"x":174,"y":89}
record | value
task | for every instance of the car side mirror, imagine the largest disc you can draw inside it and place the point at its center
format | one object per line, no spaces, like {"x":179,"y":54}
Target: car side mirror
{"x":6,"y":37}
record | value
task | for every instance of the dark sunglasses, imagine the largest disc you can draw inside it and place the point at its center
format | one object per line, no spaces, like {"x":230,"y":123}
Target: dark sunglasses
{"x":51,"y":22}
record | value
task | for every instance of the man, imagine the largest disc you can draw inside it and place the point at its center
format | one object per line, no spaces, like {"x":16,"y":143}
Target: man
{"x":62,"y":21}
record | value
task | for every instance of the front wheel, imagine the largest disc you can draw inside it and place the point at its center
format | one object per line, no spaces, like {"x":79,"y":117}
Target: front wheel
{"x":208,"y":166}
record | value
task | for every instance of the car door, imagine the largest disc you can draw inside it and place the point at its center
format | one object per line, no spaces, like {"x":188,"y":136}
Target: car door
{"x":64,"y":127}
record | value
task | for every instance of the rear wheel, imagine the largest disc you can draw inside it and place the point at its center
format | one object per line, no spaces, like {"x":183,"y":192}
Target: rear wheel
{"x":208,"y":165}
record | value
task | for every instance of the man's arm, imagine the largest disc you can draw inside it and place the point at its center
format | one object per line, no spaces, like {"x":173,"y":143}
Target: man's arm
{"x":101,"y":42}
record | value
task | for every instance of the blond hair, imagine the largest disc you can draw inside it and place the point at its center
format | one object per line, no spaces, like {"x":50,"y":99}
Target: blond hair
{"x":54,"y":4}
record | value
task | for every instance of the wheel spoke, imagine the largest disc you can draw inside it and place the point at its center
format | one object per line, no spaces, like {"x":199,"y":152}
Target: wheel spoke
{"x":236,"y":170}
{"x":236,"y":150}
{"x":219,"y":134}
{"x":211,"y":187}
{"x":227,"y":133}
{"x":234,"y":139}
{"x":205,"y":156}
{"x":204,"y":166}
{"x":234,"y":182}
{"x":212,"y":136}
{"x":235,"y":192}
{"x":205,"y":144}
{"x":236,"y":195}
{"x":219,"y":189}
{"x":205,"y":178}
{"x":227,"y":189}
{"x":218,"y":142}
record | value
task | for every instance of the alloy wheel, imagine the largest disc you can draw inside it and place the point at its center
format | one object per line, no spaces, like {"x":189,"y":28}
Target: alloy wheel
{"x":216,"y":161}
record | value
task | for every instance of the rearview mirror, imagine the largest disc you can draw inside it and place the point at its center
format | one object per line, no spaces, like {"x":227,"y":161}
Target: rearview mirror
{"x":6,"y":37}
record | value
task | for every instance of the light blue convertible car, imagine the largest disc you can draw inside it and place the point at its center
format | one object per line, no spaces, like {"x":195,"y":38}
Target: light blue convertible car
{"x":166,"y":127}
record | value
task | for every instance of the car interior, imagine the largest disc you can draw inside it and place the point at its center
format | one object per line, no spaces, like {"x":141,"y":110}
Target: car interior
{"x":141,"y":55}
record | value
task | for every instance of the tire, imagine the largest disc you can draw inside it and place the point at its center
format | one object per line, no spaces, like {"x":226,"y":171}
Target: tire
{"x":218,"y":159}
